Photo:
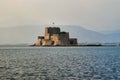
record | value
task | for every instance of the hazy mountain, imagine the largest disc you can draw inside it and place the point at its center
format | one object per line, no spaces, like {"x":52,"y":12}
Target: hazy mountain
{"x":85,"y":35}
{"x":22,"y":34}
{"x":28,"y":34}
{"x":115,"y":36}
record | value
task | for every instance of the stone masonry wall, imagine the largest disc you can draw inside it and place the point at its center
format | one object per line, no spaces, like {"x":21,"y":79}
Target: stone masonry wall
{"x":49,"y":31}
{"x":53,"y":36}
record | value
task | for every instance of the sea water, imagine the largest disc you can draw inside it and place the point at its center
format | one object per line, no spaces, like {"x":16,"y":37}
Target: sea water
{"x":59,"y":63}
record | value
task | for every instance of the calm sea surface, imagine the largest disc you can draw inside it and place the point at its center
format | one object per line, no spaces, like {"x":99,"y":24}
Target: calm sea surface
{"x":59,"y":63}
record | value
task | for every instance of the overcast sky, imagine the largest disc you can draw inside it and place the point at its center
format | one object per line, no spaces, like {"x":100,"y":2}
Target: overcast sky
{"x":92,"y":14}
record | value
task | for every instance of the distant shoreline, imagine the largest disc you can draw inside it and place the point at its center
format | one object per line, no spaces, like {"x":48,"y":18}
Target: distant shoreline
{"x":80,"y":45}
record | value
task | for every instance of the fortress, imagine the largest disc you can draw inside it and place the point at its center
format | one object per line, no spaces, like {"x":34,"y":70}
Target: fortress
{"x":54,"y":37}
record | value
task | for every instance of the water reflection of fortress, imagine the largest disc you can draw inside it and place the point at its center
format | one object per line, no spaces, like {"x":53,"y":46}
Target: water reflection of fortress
{"x":54,"y":37}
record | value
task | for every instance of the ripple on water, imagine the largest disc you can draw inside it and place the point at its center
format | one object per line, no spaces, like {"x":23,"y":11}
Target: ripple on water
{"x":87,"y":63}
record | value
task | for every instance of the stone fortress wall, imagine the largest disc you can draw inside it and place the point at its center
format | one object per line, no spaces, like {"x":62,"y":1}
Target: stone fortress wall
{"x":54,"y":37}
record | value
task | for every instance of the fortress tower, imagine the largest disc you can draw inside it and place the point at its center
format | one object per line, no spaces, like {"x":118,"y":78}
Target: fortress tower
{"x":49,"y":31}
{"x":54,"y":37}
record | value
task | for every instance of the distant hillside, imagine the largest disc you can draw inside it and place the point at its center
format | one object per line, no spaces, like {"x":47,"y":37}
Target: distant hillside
{"x":115,"y":36}
{"x":23,"y":34}
{"x":85,"y":35}
{"x":28,"y":34}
